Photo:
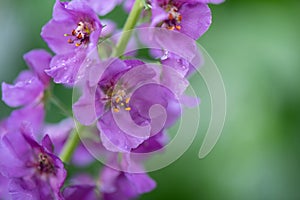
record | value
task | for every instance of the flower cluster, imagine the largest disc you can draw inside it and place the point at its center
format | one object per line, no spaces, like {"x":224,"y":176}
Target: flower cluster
{"x":125,"y":105}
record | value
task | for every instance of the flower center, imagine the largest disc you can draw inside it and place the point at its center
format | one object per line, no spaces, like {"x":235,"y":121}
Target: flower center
{"x":80,"y":35}
{"x":45,"y":164}
{"x":174,"y":17}
{"x":117,"y":99}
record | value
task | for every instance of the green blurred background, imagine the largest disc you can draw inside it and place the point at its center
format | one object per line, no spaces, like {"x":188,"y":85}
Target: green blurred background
{"x":256,"y":45}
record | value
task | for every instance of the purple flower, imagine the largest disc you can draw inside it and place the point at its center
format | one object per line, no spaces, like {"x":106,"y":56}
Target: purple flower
{"x":29,"y":86}
{"x":27,"y":89}
{"x":33,"y":170}
{"x":117,"y":185}
{"x":192,"y":18}
{"x":102,"y":7}
{"x":122,"y":99}
{"x":72,"y":33}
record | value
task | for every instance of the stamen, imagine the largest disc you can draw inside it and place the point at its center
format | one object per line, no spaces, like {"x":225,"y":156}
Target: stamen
{"x":171,"y":28}
{"x":116,"y":110}
{"x":174,"y":17}
{"x":179,"y":18}
{"x":70,"y":41}
{"x":80,"y":35}
{"x":45,"y":164}
{"x":116,"y":98}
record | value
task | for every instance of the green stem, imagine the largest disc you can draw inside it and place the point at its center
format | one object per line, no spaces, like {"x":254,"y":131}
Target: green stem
{"x":129,"y":25}
{"x":71,"y":145}
{"x":60,"y":105}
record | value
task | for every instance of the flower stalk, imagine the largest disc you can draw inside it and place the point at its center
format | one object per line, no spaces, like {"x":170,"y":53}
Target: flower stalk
{"x":129,"y":25}
{"x":71,"y":144}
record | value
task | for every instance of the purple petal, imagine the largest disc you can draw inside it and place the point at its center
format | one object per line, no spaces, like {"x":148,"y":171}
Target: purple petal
{"x":113,"y":138}
{"x":27,"y":89}
{"x":82,"y":157}
{"x":211,"y":1}
{"x":143,"y":99}
{"x":84,"y":109}
{"x":86,"y":192}
{"x":30,"y":115}
{"x":154,"y":143}
{"x":128,"y":4}
{"x":138,"y":75}
{"x":108,"y":178}
{"x":53,"y":33}
{"x":60,"y":12}
{"x":4,"y":187}
{"x":174,"y":80}
{"x":14,"y":152}
{"x":196,"y":19}
{"x":158,"y":15}
{"x":109,"y":27}
{"x":66,"y":68}
{"x":103,"y":8}
{"x":142,"y":183}
{"x":38,"y":60}
{"x":47,"y":143}
{"x":120,"y":186}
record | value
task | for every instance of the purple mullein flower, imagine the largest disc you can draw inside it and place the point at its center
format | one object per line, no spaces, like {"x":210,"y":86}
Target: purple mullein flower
{"x":192,"y":18}
{"x":29,"y":86}
{"x":72,"y":33}
{"x":33,"y":170}
{"x":121,"y":100}
{"x":27,"y":89}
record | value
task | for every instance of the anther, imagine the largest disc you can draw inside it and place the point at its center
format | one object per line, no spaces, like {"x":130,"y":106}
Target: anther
{"x":171,"y":28}
{"x":116,"y":109}
{"x":179,"y":18}
{"x":70,"y":41}
{"x":127,"y":108}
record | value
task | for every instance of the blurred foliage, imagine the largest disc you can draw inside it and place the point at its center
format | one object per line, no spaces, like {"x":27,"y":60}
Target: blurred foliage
{"x":256,"y":46}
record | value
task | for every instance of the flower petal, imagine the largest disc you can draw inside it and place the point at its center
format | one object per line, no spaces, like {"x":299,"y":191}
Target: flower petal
{"x":27,"y":89}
